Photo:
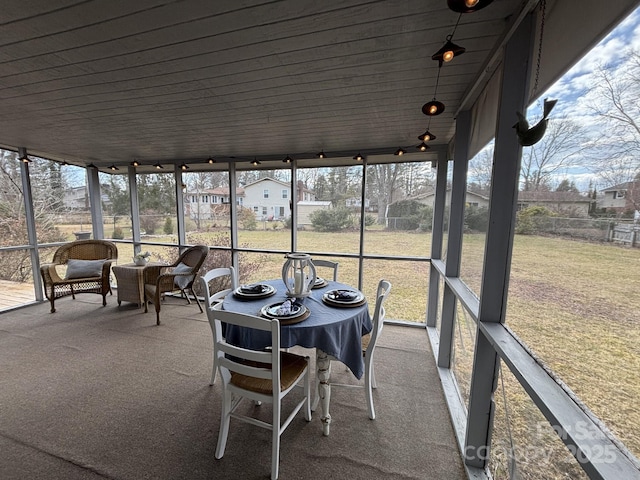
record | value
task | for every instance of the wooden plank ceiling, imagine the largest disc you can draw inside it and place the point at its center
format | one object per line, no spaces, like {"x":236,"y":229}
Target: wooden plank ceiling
{"x":110,"y":81}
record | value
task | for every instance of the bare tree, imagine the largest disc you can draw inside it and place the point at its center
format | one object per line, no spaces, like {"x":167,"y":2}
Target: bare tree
{"x":480,"y":169}
{"x":384,"y":178}
{"x":559,"y":149}
{"x":616,"y":100}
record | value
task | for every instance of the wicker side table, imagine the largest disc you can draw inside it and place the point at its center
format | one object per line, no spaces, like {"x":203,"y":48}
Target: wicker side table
{"x":130,"y":280}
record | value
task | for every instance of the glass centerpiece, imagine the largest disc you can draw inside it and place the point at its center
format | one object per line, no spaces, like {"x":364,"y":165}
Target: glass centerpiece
{"x":298,"y":274}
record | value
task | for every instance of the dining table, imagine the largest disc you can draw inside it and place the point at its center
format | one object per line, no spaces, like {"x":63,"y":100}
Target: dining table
{"x":335,"y":331}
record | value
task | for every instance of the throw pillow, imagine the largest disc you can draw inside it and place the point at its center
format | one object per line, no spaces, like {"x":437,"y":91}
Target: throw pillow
{"x":83,"y":268}
{"x":183,"y":281}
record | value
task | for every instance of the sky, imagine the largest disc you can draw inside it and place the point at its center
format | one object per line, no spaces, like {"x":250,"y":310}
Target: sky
{"x":574,"y":95}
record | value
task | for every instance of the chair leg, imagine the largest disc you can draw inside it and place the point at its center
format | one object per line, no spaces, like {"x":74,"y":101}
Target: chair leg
{"x":368,"y":378}
{"x":373,"y":377}
{"x":275,"y":440}
{"x":307,"y":393}
{"x":215,"y":370}
{"x":197,"y":300}
{"x":225,"y":416}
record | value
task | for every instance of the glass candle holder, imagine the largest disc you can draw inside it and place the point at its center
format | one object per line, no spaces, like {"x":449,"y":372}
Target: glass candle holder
{"x":298,"y":274}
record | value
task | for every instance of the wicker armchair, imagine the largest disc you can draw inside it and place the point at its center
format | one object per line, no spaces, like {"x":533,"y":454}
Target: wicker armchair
{"x":179,"y":276}
{"x":102,"y":252}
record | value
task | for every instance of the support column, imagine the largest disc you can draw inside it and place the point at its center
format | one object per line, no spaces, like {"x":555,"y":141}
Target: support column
{"x":454,"y":241}
{"x":95,"y":202}
{"x":437,"y":236}
{"x":233,"y":215}
{"x":29,"y":215}
{"x":180,"y":223}
{"x":134,"y":205}
{"x":499,"y":240}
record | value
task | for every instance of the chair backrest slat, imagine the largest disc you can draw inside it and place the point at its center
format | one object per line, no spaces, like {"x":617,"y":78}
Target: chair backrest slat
{"x":237,"y":357}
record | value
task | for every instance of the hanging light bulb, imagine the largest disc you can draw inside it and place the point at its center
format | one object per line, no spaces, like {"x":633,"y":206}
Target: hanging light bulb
{"x":158,"y":166}
{"x":113,"y":167}
{"x":25,"y":159}
{"x":135,"y":163}
{"x":400,"y":151}
{"x":358,"y":157}
{"x":287,"y":159}
{"x":433,"y":108}
{"x":321,"y":154}
{"x":467,"y":6}
{"x":211,"y":161}
{"x":255,"y":162}
{"x":427,"y":136}
{"x":184,"y":166}
{"x":448,"y":51}
{"x":423,"y":147}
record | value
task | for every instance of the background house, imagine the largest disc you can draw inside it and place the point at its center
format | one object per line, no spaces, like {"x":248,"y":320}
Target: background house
{"x":77,"y":198}
{"x":620,"y":198}
{"x":566,"y":204}
{"x":473,"y":199}
{"x":270,"y":199}
{"x":211,"y":203}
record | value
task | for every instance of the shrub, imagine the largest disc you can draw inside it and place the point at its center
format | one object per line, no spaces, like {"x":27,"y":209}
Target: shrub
{"x":168,"y":226}
{"x":369,"y":220}
{"x":477,"y":218}
{"x":247,"y":219}
{"x":410,"y":215}
{"x":148,"y":222}
{"x":529,"y":220}
{"x":332,"y":220}
{"x":117,"y":234}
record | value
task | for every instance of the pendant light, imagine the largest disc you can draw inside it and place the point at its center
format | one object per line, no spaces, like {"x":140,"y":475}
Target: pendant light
{"x":400,"y":151}
{"x":467,"y":6}
{"x":358,"y":157}
{"x":434,"y":107}
{"x":423,"y":147}
{"x":427,"y":136}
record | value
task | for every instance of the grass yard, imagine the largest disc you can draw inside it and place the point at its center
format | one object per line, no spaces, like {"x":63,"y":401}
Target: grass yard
{"x":576,"y":305}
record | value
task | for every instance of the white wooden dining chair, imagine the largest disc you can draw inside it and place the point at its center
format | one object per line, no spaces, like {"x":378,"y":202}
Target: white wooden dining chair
{"x":264,"y":376}
{"x":369,"y":342}
{"x":214,"y":280}
{"x":328,"y":264}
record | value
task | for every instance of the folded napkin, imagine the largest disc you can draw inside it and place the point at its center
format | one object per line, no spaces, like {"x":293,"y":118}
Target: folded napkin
{"x":345,"y":295}
{"x":257,"y":288}
{"x":285,"y":308}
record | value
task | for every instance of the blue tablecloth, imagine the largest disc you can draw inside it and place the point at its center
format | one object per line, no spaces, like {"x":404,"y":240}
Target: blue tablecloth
{"x":334,"y":330}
